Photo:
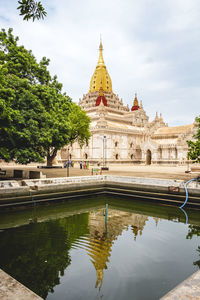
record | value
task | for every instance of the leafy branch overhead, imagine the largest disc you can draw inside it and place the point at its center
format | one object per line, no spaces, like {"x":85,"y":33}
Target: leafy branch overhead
{"x":31,"y":9}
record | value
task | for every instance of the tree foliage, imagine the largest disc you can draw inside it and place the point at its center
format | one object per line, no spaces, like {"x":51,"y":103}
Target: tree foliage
{"x":30,"y":9}
{"x":36,"y":118}
{"x":194,"y":230}
{"x":39,"y":254}
{"x":194,"y":146}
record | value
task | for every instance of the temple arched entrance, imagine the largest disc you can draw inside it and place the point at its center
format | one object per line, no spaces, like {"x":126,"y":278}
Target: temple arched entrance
{"x":148,"y":157}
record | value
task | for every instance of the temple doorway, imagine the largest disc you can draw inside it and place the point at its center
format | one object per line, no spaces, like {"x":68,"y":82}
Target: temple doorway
{"x":148,"y":157}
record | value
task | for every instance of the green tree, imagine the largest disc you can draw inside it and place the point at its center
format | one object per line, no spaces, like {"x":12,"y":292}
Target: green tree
{"x":66,"y":124}
{"x":30,"y":9}
{"x":38,"y":255}
{"x":194,"y":230}
{"x":36,"y":118}
{"x":194,"y":146}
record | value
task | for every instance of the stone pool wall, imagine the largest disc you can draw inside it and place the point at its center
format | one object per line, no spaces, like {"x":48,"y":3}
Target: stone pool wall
{"x":40,"y":190}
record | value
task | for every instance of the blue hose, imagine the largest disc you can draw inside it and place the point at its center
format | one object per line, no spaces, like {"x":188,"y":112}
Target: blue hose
{"x":186,"y":191}
{"x":186,"y":216}
{"x":106,"y":215}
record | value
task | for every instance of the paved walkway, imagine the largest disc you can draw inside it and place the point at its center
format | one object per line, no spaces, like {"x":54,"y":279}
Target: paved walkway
{"x":189,"y":289}
{"x":11,"y":289}
{"x":168,"y":172}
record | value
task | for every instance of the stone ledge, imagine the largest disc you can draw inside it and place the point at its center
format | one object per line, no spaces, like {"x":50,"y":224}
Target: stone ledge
{"x":38,"y":187}
{"x":188,"y":289}
{"x":9,"y":184}
{"x":11,"y":289}
{"x":87,"y":180}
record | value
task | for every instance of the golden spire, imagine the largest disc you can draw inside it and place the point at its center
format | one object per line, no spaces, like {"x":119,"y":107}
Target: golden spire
{"x":135,"y":103}
{"x":100,"y":78}
{"x":100,"y":251}
{"x":100,"y":61}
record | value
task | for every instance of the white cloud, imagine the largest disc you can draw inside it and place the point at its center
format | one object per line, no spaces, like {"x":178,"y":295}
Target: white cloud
{"x":151,"y":47}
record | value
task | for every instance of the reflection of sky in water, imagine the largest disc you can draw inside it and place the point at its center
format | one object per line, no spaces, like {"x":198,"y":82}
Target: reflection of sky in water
{"x":139,"y":257}
{"x":142,"y":268}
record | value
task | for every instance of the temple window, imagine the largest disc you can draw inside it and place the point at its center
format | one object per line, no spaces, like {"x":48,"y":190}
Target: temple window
{"x":116,"y":156}
{"x":160,"y":153}
{"x":131,"y":145}
{"x":86,"y":156}
{"x":132,"y":156}
{"x":176,"y":153}
{"x":169,"y":153}
{"x":116,"y":144}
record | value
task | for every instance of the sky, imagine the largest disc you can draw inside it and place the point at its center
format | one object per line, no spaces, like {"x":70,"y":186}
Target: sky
{"x":151,"y":47}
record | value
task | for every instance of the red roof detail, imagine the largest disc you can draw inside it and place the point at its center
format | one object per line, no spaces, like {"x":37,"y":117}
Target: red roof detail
{"x":99,"y":99}
{"x":135,"y":107}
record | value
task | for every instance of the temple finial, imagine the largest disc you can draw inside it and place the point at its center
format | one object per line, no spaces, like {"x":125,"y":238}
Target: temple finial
{"x":135,"y":102}
{"x":100,"y":61}
{"x":101,"y":45}
{"x":156,"y":118}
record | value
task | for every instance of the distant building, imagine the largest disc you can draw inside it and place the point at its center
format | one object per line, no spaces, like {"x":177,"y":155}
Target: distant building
{"x":123,"y":135}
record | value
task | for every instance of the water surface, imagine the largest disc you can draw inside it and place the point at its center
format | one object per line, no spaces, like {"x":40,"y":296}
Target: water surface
{"x":69,"y":251}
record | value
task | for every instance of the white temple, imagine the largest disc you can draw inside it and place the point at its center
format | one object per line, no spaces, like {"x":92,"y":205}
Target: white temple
{"x":120,"y":135}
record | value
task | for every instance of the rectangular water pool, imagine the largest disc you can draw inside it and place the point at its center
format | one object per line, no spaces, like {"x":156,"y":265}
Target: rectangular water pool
{"x":71,"y":251}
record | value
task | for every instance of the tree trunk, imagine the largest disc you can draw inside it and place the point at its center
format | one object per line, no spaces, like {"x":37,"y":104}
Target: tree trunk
{"x":50,"y":157}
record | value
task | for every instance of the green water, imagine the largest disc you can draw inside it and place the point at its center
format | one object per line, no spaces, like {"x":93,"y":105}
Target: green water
{"x":68,"y":251}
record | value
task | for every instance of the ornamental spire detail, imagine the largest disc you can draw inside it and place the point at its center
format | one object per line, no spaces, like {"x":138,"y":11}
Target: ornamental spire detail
{"x":100,"y":61}
{"x":135,"y":104}
{"x":100,"y":78}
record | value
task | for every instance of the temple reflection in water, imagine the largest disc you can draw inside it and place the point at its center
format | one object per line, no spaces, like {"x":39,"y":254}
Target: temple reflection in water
{"x":68,"y":248}
{"x":103,"y":234}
